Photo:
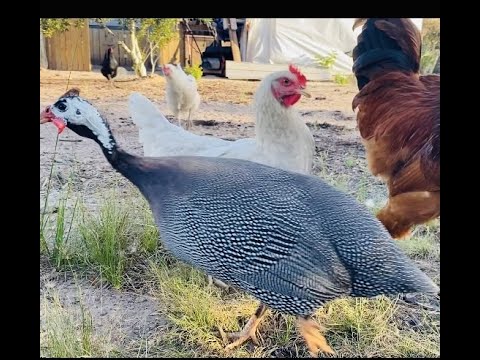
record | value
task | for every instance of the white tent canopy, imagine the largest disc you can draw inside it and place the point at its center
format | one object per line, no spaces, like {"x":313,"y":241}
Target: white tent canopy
{"x":298,"y":41}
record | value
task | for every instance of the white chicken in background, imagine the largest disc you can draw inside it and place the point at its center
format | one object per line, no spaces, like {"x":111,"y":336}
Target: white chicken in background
{"x":181,"y":92}
{"x":282,"y":139}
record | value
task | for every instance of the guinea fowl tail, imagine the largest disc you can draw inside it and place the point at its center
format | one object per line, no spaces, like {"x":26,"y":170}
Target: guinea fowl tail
{"x":391,"y":272}
{"x":385,"y":45}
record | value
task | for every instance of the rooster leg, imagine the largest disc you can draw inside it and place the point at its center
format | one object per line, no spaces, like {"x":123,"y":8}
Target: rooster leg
{"x":405,"y":210}
{"x":311,"y":332}
{"x":110,"y":81}
{"x":249,"y":330}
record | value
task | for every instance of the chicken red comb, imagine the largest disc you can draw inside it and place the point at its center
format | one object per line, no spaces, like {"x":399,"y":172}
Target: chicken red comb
{"x":300,"y":77}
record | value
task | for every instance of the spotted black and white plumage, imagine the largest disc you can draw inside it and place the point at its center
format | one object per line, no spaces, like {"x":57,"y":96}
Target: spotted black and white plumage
{"x":291,"y":240}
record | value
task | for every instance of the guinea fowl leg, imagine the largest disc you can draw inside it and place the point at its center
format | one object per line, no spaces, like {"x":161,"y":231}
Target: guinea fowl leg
{"x":249,"y":330}
{"x":405,"y":210}
{"x":311,"y":332}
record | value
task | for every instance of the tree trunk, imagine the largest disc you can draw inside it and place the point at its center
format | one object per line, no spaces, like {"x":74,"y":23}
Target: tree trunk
{"x":153,"y":59}
{"x":135,"y":53}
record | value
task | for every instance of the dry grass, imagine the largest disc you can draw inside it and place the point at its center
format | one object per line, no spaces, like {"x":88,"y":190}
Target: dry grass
{"x":66,"y":333}
{"x":354,"y":327}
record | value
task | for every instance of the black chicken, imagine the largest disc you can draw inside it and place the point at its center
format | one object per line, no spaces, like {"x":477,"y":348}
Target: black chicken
{"x":109,"y":65}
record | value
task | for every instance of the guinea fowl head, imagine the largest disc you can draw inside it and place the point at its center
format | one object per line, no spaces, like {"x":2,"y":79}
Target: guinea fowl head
{"x":287,"y":86}
{"x":71,"y":111}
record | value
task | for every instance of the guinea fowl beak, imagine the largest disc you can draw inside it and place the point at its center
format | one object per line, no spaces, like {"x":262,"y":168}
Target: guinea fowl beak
{"x":47,"y":116}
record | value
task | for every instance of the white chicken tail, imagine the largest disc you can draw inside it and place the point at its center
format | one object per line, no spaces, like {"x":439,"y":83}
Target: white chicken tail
{"x":145,"y":113}
{"x":150,"y":122}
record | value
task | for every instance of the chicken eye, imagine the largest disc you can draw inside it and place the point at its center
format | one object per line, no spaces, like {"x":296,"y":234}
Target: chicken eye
{"x":61,"y":106}
{"x":286,"y":81}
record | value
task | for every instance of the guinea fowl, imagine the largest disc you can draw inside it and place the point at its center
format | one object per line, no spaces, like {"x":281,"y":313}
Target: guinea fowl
{"x":281,"y":137}
{"x":109,"y":65}
{"x":291,"y":240}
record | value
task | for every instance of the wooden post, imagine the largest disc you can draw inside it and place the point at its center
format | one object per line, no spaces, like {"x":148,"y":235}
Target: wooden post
{"x":243,"y":41}
{"x":182,"y":45}
{"x":232,"y":30}
{"x":43,"y":52}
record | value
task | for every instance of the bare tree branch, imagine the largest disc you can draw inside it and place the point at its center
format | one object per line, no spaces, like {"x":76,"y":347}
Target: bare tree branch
{"x":124,"y":46}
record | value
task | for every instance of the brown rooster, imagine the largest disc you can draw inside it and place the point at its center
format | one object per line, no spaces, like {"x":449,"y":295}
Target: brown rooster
{"x":399,"y":120}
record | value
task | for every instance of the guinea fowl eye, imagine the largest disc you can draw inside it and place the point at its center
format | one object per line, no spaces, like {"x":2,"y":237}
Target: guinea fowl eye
{"x":78,"y":112}
{"x":61,"y":106}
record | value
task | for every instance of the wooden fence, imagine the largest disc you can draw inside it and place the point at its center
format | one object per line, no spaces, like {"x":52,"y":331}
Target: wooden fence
{"x":69,"y":50}
{"x":78,"y":48}
{"x":176,"y":51}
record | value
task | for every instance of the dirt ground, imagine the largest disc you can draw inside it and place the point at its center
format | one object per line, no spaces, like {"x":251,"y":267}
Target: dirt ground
{"x":225,"y":112}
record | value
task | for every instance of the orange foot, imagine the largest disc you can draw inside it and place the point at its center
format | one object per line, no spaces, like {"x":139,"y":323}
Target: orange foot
{"x":311,"y":332}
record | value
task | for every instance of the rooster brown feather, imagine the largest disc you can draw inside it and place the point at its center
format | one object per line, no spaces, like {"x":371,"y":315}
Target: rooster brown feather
{"x":399,"y":120}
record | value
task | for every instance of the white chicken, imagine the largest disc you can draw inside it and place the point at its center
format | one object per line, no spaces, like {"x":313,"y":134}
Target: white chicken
{"x":282,"y":138}
{"x":181,"y":92}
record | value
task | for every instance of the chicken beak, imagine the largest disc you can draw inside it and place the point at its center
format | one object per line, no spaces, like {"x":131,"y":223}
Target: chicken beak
{"x":305,"y":93}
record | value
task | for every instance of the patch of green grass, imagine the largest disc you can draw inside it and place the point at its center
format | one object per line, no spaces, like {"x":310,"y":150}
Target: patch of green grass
{"x":196,"y":71}
{"x":106,"y":237}
{"x":350,"y":162}
{"x":322,"y":168}
{"x":149,"y":234}
{"x":68,"y":334}
{"x":197,"y":310}
{"x":430,"y":45}
{"x":362,"y":190}
{"x":327,"y":61}
{"x":342,"y":79}
{"x":353,"y":327}
{"x":61,"y":254}
{"x":423,"y":244}
{"x":54,"y":238}
{"x":367,"y":328}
